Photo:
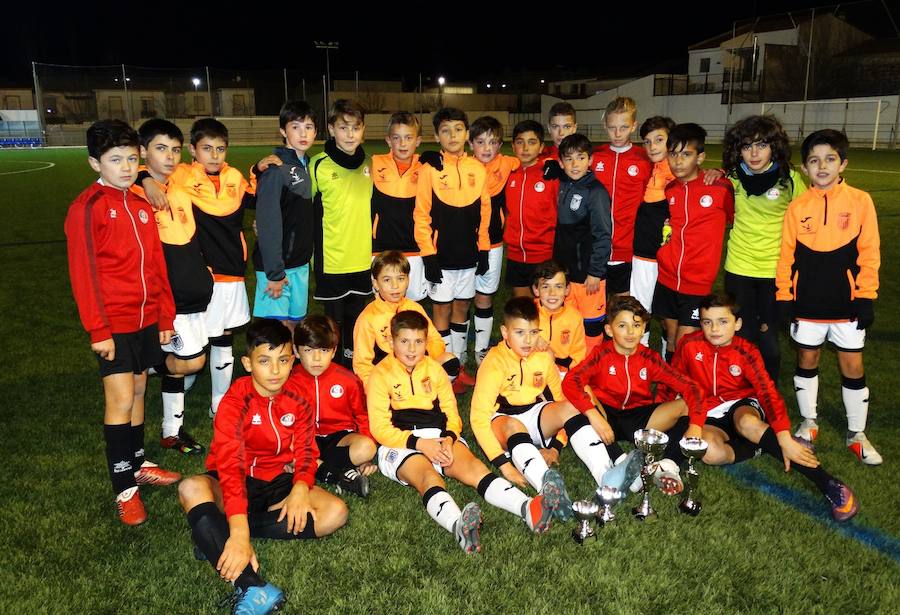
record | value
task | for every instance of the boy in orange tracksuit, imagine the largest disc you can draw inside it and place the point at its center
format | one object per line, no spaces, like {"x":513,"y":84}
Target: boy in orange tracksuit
{"x":562,"y":325}
{"x":827,"y":281}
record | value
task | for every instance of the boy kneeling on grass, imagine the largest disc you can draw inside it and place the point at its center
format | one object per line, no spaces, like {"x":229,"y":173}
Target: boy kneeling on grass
{"x":413,"y":415}
{"x":263,"y":426}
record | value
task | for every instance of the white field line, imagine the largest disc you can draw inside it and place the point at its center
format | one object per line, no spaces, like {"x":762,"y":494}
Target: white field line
{"x":47,"y":165}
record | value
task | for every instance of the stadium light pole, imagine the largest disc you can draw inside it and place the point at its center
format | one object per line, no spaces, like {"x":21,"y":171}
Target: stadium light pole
{"x":327,"y":46}
{"x":441,"y":82}
{"x":196,"y":82}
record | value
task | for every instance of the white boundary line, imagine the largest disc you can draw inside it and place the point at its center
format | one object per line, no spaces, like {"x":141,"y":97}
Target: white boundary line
{"x":872,"y":171}
{"x":47,"y":165}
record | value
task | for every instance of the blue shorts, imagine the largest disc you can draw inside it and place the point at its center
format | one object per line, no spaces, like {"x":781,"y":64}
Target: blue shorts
{"x":292,"y":303}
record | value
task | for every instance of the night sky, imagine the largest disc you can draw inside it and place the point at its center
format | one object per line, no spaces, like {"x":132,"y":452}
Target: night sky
{"x":390,"y":42}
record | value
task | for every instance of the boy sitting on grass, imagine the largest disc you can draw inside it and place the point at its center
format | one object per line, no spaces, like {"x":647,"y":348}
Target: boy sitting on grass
{"x":263,"y":425}
{"x":413,"y":415}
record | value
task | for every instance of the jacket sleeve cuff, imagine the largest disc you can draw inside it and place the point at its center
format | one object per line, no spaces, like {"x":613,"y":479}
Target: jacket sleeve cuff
{"x":449,"y":434}
{"x":411,"y":441}
{"x":99,"y":335}
{"x":499,"y":460}
{"x":564,"y":362}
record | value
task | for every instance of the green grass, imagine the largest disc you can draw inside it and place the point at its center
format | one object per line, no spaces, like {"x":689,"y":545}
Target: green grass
{"x":64,"y":550}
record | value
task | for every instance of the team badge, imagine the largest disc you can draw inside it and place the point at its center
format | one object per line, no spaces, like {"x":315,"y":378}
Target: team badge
{"x":287,"y":420}
{"x":695,"y":315}
{"x":671,"y":200}
{"x":112,"y":214}
{"x":564,"y":336}
{"x":539,"y":187}
{"x":512,"y":184}
{"x":599,"y":167}
{"x":612,"y":370}
{"x":414,"y":178}
{"x":773,"y":194}
{"x":231,"y":189}
{"x":844,"y":220}
{"x":143,"y":217}
{"x":256,"y":420}
{"x":575,"y":203}
{"x":392,"y":455}
{"x":337,"y":391}
{"x":806,"y":226}
{"x":176,"y":342}
{"x":698,"y":356}
{"x":734,"y":370}
{"x":366,"y":171}
{"x":471,"y":177}
{"x":334,"y":176}
{"x":538,"y":380}
{"x":633,"y":170}
{"x":385,"y":335}
{"x":426,"y":384}
{"x":643,"y":373}
{"x":182,"y":215}
{"x":706,"y":200}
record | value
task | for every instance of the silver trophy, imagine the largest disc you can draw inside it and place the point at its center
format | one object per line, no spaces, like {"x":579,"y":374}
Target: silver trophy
{"x":585,"y":511}
{"x":693,"y":449}
{"x":608,"y":497}
{"x":653,"y":443}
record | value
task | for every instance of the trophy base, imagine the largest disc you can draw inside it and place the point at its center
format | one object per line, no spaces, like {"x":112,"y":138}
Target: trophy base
{"x":690,"y":507}
{"x":579,"y":537}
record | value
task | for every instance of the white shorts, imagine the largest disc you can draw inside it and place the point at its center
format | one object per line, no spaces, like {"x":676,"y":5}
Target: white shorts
{"x":228,"y":308}
{"x":418,"y":285}
{"x":643,"y":280}
{"x":390,"y":459}
{"x":725,"y":407}
{"x":844,"y":335}
{"x":190,"y":337}
{"x":488,"y":283}
{"x":455,"y":284}
{"x":531,"y":419}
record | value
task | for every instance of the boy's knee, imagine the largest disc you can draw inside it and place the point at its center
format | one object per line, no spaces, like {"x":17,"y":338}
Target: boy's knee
{"x":192,"y":491}
{"x":366,"y":448}
{"x":332,"y":516}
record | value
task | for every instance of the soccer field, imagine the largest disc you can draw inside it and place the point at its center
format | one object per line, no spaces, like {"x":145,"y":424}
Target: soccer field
{"x":764,"y":542}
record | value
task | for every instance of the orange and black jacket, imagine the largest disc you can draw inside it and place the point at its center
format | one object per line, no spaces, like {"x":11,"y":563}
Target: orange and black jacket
{"x":400,"y":402}
{"x":219,"y":203}
{"x":189,"y":277}
{"x":830,"y":253}
{"x":393,"y":202}
{"x":453,"y":209}
{"x":509,"y":384}
{"x":564,"y":331}
{"x":498,"y":171}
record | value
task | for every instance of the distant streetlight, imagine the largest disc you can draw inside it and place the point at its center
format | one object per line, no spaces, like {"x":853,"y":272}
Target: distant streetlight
{"x":489,"y":86}
{"x":542,"y":81}
{"x":196,"y":82}
{"x":503,"y":86}
{"x":441,"y":81}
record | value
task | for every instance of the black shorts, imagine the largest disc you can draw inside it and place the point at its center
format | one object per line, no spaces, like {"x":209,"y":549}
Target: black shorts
{"x":519,"y":274}
{"x":333,"y":286}
{"x":668,"y":303}
{"x":262,"y":494}
{"x":726,"y":422}
{"x":135,"y":352}
{"x":625,"y":422}
{"x":756,"y":296}
{"x":328,"y":443}
{"x":618,"y":278}
{"x":648,"y":227}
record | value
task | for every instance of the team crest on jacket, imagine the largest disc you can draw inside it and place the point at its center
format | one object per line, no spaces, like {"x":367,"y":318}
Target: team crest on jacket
{"x":643,"y":373}
{"x":414,"y":178}
{"x":612,"y":370}
{"x":539,"y":187}
{"x":844,"y":220}
{"x":633,"y":170}
{"x":512,"y":183}
{"x":256,"y":420}
{"x":366,"y":171}
{"x":182,"y":215}
{"x":337,"y":391}
{"x":231,"y":189}
{"x":471,"y":177}
{"x":143,"y":217}
{"x":287,"y":420}
{"x":698,"y":356}
{"x":599,"y":166}
{"x":426,"y":384}
{"x":671,"y":200}
{"x":773,"y":194}
{"x":564,"y":337}
{"x":706,"y":200}
{"x":575,"y":203}
{"x":295,"y":179}
{"x":538,"y":380}
{"x":734,"y":370}
{"x":112,"y":214}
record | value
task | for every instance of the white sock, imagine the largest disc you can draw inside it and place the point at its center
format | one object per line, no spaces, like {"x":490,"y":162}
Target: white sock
{"x":443,"y":509}
{"x":173,"y":413}
{"x":189,"y":382}
{"x":528,"y":460}
{"x":589,"y":448}
{"x":663,"y":346}
{"x":221,"y":368}
{"x":459,"y":337}
{"x":503,"y":494}
{"x":807,"y":390}
{"x":856,"y":404}
{"x":483,"y":328}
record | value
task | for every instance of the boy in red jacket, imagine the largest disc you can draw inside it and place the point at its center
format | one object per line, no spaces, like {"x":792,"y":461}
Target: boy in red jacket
{"x":698,"y":215}
{"x":264,"y":425}
{"x":346,"y":447}
{"x":744,"y":410}
{"x":121,"y":287}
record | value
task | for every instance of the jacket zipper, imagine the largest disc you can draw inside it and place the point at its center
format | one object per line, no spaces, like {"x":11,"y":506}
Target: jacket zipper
{"x":612,"y":201}
{"x":275,"y":429}
{"x":687,"y":219}
{"x":141,"y":246}
{"x":826,"y":211}
{"x":317,"y":401}
{"x":628,"y":380}
{"x":715,"y":375}
{"x":522,"y":214}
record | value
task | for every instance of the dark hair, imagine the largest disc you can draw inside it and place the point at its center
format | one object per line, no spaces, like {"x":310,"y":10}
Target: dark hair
{"x":408,"y":319}
{"x":266,"y":331}
{"x":548,"y":270}
{"x":626,"y":303}
{"x":657,"y":122}
{"x":763,"y":128}
{"x":293,"y":110}
{"x":684,"y":134}
{"x":520,"y":307}
{"x":561,"y":108}
{"x":317,"y":331}
{"x":208,"y":128}
{"x":720,"y":299}
{"x":528,"y":126}
{"x":390,"y":258}
{"x":575,"y":143}
{"x":449,"y":114}
{"x":151,"y":129}
{"x":344,"y":106}
{"x":104,"y":135}
{"x":486,"y":123}
{"x":405,"y":118}
{"x":835,"y":138}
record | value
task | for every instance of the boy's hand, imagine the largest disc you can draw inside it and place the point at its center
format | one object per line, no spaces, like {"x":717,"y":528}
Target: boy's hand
{"x":156,"y":196}
{"x":106,"y":349}
{"x":432,"y":157}
{"x":711,"y":175}
{"x":433,"y":449}
{"x":865,"y":313}
{"x":551,"y":456}
{"x":542,"y":345}
{"x":165,"y":336}
{"x":432,"y":269}
{"x":552,"y":170}
{"x":510,"y":473}
{"x":601,"y":426}
{"x":268,"y":161}
{"x":482,"y":267}
{"x":367,"y":469}
{"x":792,"y":450}
{"x":274,"y":289}
{"x":693,"y":431}
{"x":236,"y":554}
{"x":295,"y":508}
{"x":592,"y":285}
{"x":447,"y":448}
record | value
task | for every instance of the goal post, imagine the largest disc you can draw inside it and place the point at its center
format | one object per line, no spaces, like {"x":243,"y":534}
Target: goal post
{"x":858,"y":118}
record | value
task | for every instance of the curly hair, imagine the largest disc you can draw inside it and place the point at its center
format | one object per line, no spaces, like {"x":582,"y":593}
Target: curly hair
{"x":763,"y":128}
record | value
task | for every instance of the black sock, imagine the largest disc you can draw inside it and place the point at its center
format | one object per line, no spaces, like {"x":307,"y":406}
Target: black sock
{"x":676,"y":433}
{"x":614,"y":451}
{"x":137,"y":443}
{"x":338,"y":462}
{"x":743,"y":449}
{"x":266,"y":525}
{"x":769,"y":444}
{"x":771,"y":353}
{"x":669,"y":355}
{"x":162,"y":369}
{"x":209,"y":529}
{"x":119,"y":456}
